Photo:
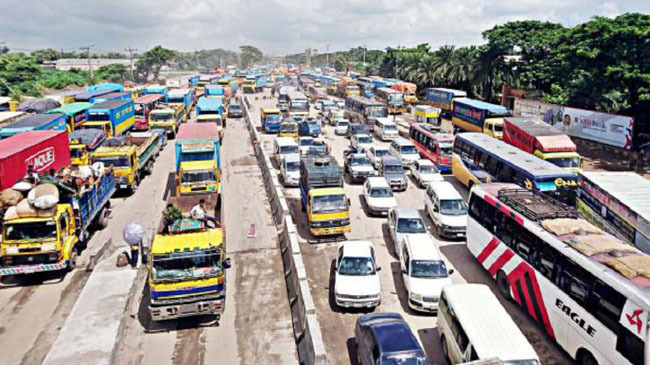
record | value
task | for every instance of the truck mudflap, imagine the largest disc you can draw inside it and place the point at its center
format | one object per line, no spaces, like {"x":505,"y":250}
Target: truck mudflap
{"x":174,"y":311}
{"x":32,"y":269}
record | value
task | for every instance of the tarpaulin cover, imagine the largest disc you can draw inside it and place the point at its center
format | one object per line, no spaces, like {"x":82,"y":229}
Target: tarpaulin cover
{"x":38,"y":105}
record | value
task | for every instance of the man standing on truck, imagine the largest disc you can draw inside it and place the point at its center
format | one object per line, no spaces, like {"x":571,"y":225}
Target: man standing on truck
{"x":198,"y":213}
{"x":170,"y":215}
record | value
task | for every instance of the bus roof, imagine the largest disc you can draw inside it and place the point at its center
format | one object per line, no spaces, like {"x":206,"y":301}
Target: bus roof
{"x":70,"y":109}
{"x":514,"y":156}
{"x":629,"y":188}
{"x":111,"y":104}
{"x":178,"y":92}
{"x":148,"y":98}
{"x":604,"y":256}
{"x":534,"y":126}
{"x":491,"y":330}
{"x":389,"y":90}
{"x":366,"y":101}
{"x":433,"y":133}
{"x":492,"y":108}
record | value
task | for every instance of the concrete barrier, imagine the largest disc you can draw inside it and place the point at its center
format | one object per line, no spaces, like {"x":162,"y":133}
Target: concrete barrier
{"x":306,"y":327}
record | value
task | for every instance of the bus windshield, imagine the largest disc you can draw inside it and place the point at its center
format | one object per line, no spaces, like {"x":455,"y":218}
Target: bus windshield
{"x":377,"y":112}
{"x":444,"y":150}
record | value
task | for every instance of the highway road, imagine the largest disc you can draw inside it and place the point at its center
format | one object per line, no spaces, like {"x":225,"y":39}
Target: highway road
{"x":338,"y":326}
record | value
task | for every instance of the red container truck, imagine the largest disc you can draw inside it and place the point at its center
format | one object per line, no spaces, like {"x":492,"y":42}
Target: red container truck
{"x":44,"y":150}
{"x":542,"y":140}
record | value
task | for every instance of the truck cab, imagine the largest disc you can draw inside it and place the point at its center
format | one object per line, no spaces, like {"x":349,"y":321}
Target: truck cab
{"x":249,"y":86}
{"x":125,"y":164}
{"x":167,"y":119}
{"x":270,"y":120}
{"x":197,"y":177}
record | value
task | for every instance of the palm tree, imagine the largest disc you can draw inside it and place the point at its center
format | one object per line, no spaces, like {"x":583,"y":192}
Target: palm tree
{"x":444,"y":60}
{"x":492,"y":70}
{"x":463,"y":70}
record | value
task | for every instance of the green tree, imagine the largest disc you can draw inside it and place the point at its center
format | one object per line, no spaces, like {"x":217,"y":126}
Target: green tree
{"x":149,"y":63}
{"x":47,"y":54}
{"x":113,"y":73}
{"x":492,"y":70}
{"x":249,"y":56}
{"x":18,"y":74}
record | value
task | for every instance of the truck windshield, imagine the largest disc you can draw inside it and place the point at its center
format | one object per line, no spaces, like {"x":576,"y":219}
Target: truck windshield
{"x":77,"y":152}
{"x":115,"y":161}
{"x":160,"y":116}
{"x":175,"y":99}
{"x":453,"y":207}
{"x":428,"y":269}
{"x":197,"y":176}
{"x":98,"y":117}
{"x":566,"y":162}
{"x":272,"y":118}
{"x":30,"y":231}
{"x":330,"y":203}
{"x":356,"y":266}
{"x":195,"y":265}
{"x":411,"y":225}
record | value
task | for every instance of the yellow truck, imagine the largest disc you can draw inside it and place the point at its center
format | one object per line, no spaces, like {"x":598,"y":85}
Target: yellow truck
{"x":198,"y":160}
{"x":50,"y":240}
{"x":323,"y":197}
{"x":167,"y":118}
{"x":132,"y":157}
{"x":187,"y":264}
{"x":82,"y":143}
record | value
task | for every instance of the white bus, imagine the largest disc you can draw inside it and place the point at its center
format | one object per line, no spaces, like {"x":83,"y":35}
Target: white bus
{"x":589,"y":291}
{"x":298,"y":104}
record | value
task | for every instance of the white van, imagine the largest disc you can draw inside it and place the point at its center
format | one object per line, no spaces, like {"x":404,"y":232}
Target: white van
{"x":424,"y":272}
{"x":447,"y":209}
{"x":474,"y":326}
{"x":385,"y":129}
{"x":405,"y":150}
{"x":283,"y":146}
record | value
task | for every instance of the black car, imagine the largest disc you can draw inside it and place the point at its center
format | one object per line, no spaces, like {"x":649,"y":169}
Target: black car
{"x":357,"y":128}
{"x":235,"y":111}
{"x":385,"y":338}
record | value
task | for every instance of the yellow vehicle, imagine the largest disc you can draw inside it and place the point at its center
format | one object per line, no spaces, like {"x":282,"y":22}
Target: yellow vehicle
{"x":478,"y":116}
{"x":288,"y":129}
{"x":270,"y":118}
{"x":48,"y":240}
{"x":187,"y":264}
{"x":198,"y":160}
{"x":197,"y":177}
{"x":427,"y":114}
{"x":215,"y":119}
{"x":132,"y":157}
{"x":167,"y":118}
{"x":82,"y":143}
{"x":248,"y":86}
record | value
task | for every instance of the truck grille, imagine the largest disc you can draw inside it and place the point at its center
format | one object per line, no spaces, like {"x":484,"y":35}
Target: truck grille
{"x":20,"y":260}
{"x":189,"y":299}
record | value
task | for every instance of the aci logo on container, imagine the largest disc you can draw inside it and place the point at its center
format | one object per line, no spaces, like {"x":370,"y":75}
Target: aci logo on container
{"x":42,"y":159}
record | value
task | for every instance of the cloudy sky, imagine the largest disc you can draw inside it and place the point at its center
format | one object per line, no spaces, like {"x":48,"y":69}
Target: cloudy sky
{"x":277,"y":26}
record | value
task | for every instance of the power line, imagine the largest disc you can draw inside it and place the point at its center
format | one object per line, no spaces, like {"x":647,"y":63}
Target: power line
{"x":87,"y":49}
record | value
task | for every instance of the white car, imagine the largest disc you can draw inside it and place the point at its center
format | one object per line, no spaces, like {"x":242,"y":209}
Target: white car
{"x":290,"y":170}
{"x":356,"y":283}
{"x":359,"y":167}
{"x":378,"y":195}
{"x":405,"y":221}
{"x":376,"y":153}
{"x":424,"y":273}
{"x":361,"y":142}
{"x":405,"y":150}
{"x":304,"y":143}
{"x":425,"y":172}
{"x":342,"y":126}
{"x":447,"y":209}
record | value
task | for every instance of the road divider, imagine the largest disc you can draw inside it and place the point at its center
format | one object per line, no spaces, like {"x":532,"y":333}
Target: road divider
{"x":306,"y":327}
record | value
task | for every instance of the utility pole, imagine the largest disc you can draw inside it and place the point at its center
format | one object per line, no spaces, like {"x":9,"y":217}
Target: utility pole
{"x":396,"y":61}
{"x":327,"y":55}
{"x":87,"y":49}
{"x":131,"y":50}
{"x":196,"y":59}
{"x":364,"y":54}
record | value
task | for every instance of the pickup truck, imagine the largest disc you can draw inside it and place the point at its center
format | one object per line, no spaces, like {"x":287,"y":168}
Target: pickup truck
{"x":51,"y":242}
{"x":132,"y":157}
{"x":187,"y":264}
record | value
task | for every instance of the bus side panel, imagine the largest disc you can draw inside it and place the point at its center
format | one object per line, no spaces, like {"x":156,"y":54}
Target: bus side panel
{"x":466,"y":126}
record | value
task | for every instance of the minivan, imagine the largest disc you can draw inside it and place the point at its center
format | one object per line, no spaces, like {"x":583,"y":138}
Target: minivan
{"x":405,"y":150}
{"x":473,"y":326}
{"x":283,"y":146}
{"x":447,"y":209}
{"x":385,"y":129}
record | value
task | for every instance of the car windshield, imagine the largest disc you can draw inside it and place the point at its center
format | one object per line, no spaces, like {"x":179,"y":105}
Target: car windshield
{"x":306,"y":142}
{"x":235,"y":107}
{"x":566,"y":162}
{"x":390,"y":127}
{"x":330,"y":203}
{"x":393,"y":169}
{"x":356,"y":266}
{"x":197,"y":176}
{"x":453,"y":207}
{"x":381,"y":153}
{"x":186,"y":266}
{"x":360,"y":161}
{"x":411,"y":225}
{"x":405,"y":359}
{"x":342,"y":124}
{"x":444,"y":150}
{"x":364,"y":139}
{"x":428,"y":169}
{"x":289,"y":128}
{"x":408,"y":150}
{"x":381,"y":192}
{"x":115,"y":161}
{"x":428,"y":269}
{"x":30,"y":231}
{"x":293,"y":166}
{"x":285,"y":150}
{"x":160,"y":116}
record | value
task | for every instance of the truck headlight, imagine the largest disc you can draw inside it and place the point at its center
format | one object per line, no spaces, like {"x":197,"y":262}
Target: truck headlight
{"x":11,"y":250}
{"x":48,"y":247}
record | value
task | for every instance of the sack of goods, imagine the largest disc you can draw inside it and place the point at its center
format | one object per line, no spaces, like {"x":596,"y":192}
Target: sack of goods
{"x":44,"y":196}
{"x":26,"y":210}
{"x":10,"y":197}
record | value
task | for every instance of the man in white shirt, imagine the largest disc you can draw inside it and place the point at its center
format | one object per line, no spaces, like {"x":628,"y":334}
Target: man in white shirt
{"x":198,"y":213}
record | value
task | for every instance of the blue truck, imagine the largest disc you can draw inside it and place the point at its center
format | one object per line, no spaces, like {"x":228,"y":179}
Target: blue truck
{"x":90,"y":96}
{"x":113,"y":96}
{"x":214,"y":90}
{"x":37,"y":122}
{"x":114,"y":117}
{"x":261,"y":81}
{"x":181,"y":96}
{"x":155,"y":89}
{"x":193,"y":81}
{"x":72,"y":217}
{"x":207,"y":105}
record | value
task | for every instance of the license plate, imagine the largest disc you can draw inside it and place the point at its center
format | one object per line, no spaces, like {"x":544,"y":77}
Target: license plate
{"x":188,"y":308}
{"x":123,"y":186}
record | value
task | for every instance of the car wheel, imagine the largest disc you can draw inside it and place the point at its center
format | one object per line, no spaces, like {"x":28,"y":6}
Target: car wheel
{"x":445,"y":350}
{"x":587,"y":359}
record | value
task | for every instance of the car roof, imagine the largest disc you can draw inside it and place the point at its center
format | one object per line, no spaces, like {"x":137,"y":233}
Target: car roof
{"x":390,"y":160}
{"x":424,"y":161}
{"x":394,"y":335}
{"x":445,"y":190}
{"x":292,"y":158}
{"x":406,"y":212}
{"x":377,"y":181}
{"x":402,"y":141}
{"x":343,"y":121}
{"x":358,"y":155}
{"x":284,"y":141}
{"x":422,"y":247}
{"x":356,"y":248}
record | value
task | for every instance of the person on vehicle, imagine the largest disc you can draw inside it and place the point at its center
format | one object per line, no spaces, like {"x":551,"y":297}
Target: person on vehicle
{"x":170,"y":215}
{"x":198,"y":213}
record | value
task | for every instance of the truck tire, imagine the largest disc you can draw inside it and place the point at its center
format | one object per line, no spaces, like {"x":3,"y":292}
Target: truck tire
{"x":72,"y":263}
{"x":102,"y":220}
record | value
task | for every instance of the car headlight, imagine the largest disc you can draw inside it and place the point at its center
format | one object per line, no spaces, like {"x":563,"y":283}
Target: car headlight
{"x":416,"y":297}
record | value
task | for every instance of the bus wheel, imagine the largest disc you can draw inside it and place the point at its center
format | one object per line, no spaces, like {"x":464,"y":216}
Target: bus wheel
{"x":586,"y":358}
{"x":503,"y":284}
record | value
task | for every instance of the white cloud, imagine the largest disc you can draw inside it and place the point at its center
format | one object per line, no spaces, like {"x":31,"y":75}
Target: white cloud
{"x":277,"y":26}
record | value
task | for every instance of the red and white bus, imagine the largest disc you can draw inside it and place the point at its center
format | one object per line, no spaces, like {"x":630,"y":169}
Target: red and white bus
{"x":590,"y":291}
{"x":432,"y":144}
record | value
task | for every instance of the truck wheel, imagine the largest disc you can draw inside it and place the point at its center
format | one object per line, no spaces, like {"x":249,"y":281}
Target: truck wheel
{"x":134,"y":186}
{"x":503,"y":284}
{"x":72,"y":263}
{"x":102,"y":222}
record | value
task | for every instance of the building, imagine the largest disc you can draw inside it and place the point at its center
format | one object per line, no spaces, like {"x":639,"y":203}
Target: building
{"x":67,"y":64}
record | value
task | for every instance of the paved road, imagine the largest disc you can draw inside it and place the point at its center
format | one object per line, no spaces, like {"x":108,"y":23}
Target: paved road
{"x":256,"y":326}
{"x":337,"y":326}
